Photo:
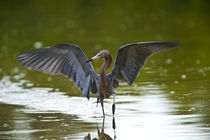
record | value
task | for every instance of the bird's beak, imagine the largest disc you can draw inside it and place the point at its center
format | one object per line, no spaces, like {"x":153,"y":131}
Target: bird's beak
{"x":88,"y":60}
{"x":93,"y":58}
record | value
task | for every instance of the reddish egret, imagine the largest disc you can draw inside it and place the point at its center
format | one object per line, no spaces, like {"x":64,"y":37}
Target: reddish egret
{"x":69,"y":60}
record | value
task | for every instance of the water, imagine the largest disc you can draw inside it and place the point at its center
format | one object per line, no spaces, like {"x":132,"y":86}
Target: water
{"x":41,"y":113}
{"x":169,"y":100}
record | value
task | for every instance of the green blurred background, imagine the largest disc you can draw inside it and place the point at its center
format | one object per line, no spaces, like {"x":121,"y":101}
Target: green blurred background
{"x":97,"y":24}
{"x":183,"y":73}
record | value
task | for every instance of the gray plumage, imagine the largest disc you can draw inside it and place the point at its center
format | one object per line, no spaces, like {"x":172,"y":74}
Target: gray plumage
{"x":65,"y":59}
{"x":70,"y":61}
{"x":132,"y":57}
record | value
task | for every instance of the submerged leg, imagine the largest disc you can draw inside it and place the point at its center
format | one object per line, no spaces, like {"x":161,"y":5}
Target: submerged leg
{"x":114,"y":127}
{"x":102,"y":106}
{"x":113,"y":105}
{"x":98,"y":99}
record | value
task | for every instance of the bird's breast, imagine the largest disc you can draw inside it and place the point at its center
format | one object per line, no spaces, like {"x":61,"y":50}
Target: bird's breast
{"x":105,"y":86}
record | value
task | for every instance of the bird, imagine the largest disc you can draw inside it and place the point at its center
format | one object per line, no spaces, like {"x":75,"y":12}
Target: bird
{"x":69,"y":60}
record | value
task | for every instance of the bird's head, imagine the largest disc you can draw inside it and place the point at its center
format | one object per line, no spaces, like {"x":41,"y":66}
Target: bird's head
{"x":101,"y":54}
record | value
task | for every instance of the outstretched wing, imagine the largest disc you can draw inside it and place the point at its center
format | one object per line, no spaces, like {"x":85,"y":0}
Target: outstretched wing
{"x":131,"y":58}
{"x":65,"y":59}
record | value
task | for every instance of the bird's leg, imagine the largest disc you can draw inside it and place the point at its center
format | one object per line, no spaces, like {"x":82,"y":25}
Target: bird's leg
{"x":102,"y":105}
{"x":114,"y":127}
{"x":113,"y":105}
{"x":98,"y":99}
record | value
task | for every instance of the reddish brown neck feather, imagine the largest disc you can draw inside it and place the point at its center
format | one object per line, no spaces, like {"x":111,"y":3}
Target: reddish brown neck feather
{"x":103,"y":81}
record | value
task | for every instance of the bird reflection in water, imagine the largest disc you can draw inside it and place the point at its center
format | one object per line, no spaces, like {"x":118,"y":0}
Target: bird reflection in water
{"x":101,"y":134}
{"x":70,"y":61}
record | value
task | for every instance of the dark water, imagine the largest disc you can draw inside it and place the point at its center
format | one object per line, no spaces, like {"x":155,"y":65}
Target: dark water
{"x":169,"y":100}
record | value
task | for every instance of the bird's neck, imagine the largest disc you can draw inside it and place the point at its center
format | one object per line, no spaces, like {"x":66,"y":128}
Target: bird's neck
{"x":103,"y":80}
{"x":106,"y":65}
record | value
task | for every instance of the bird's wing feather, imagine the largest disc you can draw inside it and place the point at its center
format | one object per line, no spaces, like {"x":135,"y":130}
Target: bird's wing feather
{"x":65,"y":59}
{"x":131,"y":58}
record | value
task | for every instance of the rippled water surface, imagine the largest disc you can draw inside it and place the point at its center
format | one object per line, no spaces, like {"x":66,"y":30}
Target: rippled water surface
{"x":169,"y":100}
